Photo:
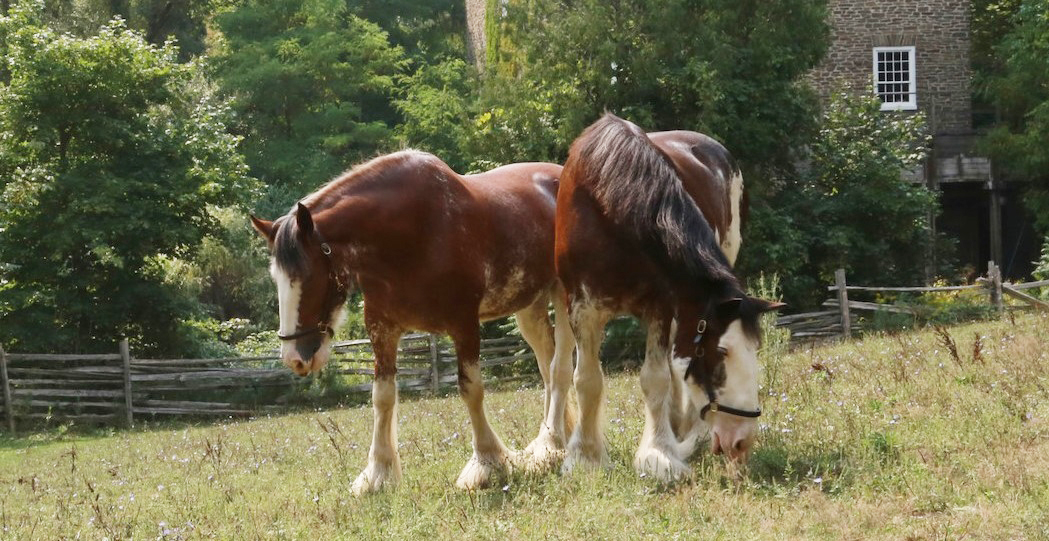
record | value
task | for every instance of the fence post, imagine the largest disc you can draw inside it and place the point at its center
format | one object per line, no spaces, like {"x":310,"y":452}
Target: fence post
{"x":8,"y":407}
{"x":994,"y":275}
{"x":843,"y":303}
{"x":435,"y":364}
{"x":125,"y":355}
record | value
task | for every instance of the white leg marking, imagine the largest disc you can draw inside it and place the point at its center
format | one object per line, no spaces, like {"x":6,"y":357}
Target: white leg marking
{"x":657,"y":456}
{"x":490,"y":455}
{"x":384,"y":463}
{"x":537,"y":331}
{"x":587,"y":445}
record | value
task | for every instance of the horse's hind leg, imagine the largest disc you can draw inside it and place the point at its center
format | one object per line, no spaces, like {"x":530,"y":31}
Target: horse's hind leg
{"x":553,"y":350}
{"x":384,"y":463}
{"x":657,"y":456}
{"x":490,"y":455}
{"x":587,"y":445}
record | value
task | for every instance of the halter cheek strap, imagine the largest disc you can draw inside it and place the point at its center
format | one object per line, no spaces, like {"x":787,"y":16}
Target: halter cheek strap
{"x":324,"y":327}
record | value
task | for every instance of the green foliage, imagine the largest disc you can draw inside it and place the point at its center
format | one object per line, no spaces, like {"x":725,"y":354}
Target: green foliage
{"x":1017,"y":84}
{"x":434,"y":102}
{"x":311,"y":84}
{"x":1041,"y":270}
{"x":231,"y":266}
{"x":110,"y":153}
{"x":850,"y":208}
{"x":728,"y":69}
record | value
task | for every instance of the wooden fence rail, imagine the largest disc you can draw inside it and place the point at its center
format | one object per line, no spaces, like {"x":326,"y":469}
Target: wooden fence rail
{"x":831,"y":321}
{"x":117,"y":388}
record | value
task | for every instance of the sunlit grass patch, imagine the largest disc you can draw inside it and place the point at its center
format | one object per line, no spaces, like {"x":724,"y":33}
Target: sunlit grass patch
{"x":889,"y":437}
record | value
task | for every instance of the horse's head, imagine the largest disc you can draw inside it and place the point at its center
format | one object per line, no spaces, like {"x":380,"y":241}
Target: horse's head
{"x":722,"y":372}
{"x":311,"y":289}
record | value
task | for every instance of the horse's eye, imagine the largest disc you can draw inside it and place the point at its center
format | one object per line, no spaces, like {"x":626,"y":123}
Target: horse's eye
{"x":722,"y":351}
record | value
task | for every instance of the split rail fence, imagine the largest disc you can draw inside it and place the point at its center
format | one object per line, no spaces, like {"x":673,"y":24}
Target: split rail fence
{"x":117,"y":388}
{"x":837,"y":321}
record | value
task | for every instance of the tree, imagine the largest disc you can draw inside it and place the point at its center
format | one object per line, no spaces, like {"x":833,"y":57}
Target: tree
{"x":731,"y":69}
{"x":1017,"y":85}
{"x":850,"y":208}
{"x":111,"y":153}
{"x":312,"y":84}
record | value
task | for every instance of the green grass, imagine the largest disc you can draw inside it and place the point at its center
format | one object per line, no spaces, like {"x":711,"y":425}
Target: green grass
{"x":890,"y":437}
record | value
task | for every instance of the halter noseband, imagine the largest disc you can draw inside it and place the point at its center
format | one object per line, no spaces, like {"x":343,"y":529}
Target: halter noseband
{"x":712,"y":404}
{"x":324,"y":327}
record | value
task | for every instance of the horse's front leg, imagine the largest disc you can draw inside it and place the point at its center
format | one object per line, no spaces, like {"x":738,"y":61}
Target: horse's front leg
{"x":490,"y":455}
{"x":384,"y":462}
{"x":658,"y":454}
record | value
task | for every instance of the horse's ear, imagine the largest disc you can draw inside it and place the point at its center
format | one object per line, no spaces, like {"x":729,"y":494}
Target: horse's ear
{"x":756,"y":306}
{"x":770,"y":306}
{"x":265,"y":228}
{"x":729,"y":310}
{"x":304,"y":219}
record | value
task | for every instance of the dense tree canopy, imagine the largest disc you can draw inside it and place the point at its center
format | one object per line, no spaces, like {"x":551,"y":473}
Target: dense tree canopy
{"x":311,"y":84}
{"x":129,"y":150}
{"x":110,"y":154}
{"x":727,"y":68}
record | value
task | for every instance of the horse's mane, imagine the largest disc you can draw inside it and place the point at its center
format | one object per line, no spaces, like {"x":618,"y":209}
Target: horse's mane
{"x":375,"y":170}
{"x":639,"y":190}
{"x":288,"y":253}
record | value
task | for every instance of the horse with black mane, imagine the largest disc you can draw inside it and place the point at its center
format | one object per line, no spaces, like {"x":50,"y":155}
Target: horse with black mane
{"x":631,"y":239}
{"x":435,"y":251}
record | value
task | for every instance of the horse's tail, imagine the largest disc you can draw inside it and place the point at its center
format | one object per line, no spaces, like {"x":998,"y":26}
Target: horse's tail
{"x":638,"y":189}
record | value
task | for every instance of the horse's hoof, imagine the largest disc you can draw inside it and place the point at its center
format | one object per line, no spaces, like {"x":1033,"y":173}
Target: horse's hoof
{"x":660,"y":465}
{"x":480,"y":472}
{"x":374,"y":478}
{"x":541,"y":455}
{"x":584,"y":457}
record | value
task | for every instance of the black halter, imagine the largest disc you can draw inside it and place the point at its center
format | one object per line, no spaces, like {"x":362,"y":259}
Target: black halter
{"x":324,"y":327}
{"x":712,"y":397}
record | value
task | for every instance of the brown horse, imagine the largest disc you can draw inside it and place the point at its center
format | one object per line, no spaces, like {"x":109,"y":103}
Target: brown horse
{"x":631,"y":239}
{"x":430,"y":250}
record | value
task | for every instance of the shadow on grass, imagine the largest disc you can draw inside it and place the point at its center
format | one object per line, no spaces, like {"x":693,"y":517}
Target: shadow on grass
{"x":773,"y":468}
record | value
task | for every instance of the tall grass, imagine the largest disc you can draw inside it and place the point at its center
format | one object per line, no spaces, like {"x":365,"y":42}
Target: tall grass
{"x":890,"y":437}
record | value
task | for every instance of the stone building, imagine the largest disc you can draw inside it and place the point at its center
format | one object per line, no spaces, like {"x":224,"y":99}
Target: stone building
{"x":914,"y":54}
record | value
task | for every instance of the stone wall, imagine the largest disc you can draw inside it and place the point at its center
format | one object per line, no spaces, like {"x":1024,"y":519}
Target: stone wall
{"x":938,"y":29}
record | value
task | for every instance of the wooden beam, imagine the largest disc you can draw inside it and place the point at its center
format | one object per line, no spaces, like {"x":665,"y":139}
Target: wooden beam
{"x":843,"y":303}
{"x":9,"y":411}
{"x":125,"y":355}
{"x":1037,"y":303}
{"x":924,"y":289}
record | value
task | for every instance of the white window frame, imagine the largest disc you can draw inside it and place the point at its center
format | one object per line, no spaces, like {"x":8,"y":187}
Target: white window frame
{"x":911,"y":103}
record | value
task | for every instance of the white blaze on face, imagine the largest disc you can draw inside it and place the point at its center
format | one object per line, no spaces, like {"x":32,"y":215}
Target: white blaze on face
{"x":739,"y":391}
{"x":741,"y":369}
{"x":288,"y":294}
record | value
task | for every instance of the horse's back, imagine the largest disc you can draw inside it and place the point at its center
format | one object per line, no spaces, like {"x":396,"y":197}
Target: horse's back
{"x":515,"y":237}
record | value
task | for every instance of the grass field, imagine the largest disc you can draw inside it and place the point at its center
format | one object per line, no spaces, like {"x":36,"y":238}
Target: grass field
{"x":891,"y":437}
